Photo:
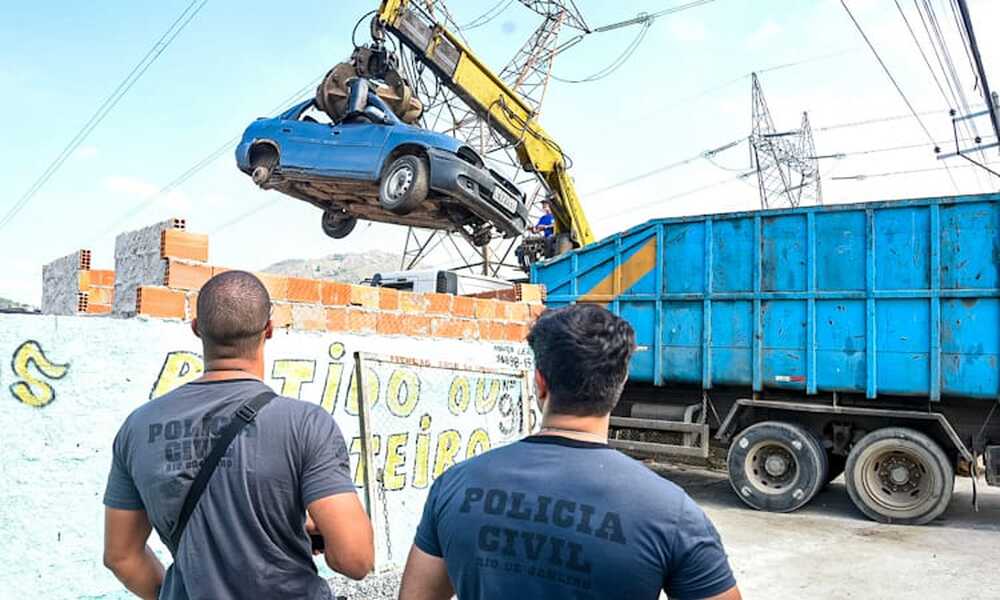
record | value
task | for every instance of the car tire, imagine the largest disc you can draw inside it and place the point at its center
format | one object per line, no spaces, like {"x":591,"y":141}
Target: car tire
{"x":776,"y":466}
{"x":481,"y":238}
{"x":404,"y":185}
{"x":338,"y":224}
{"x":898,"y":475}
{"x":262,"y":163}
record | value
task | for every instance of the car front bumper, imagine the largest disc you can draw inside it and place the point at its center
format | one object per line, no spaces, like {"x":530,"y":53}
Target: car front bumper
{"x":472,"y":187}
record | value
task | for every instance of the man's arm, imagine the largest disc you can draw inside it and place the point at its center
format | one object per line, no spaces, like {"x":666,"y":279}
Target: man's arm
{"x":127,"y":555}
{"x":426,"y":578}
{"x":347,"y":534}
{"x":732,"y":594}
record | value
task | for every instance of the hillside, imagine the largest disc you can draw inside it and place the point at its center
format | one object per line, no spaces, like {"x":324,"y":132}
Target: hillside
{"x":350,"y":267}
{"x":8,"y":305}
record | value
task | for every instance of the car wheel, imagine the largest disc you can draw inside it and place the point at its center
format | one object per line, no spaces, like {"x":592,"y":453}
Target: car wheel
{"x":404,"y":185}
{"x":263,"y":160}
{"x":481,"y":238}
{"x":898,"y":475}
{"x":776,"y":466}
{"x":338,"y":224}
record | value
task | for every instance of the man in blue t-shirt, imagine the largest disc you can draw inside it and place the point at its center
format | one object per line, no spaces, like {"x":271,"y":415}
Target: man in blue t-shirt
{"x":546,"y":223}
{"x":560,"y":514}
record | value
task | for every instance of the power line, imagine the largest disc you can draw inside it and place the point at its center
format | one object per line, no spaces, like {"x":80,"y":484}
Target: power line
{"x":492,"y":13}
{"x":863,"y":176}
{"x":176,"y":27}
{"x":923,"y":55}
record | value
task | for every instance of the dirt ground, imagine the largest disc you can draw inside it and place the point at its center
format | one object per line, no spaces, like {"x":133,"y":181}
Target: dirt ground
{"x":829,"y":550}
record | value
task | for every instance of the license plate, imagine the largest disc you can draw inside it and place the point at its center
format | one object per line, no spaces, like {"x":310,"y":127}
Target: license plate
{"x":504,"y":199}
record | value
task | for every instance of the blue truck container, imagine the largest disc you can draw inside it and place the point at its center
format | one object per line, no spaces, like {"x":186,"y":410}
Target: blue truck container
{"x":884,"y":303}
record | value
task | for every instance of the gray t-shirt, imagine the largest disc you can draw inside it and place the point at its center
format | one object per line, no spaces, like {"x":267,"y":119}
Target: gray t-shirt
{"x":551,"y":517}
{"x":246,"y":538}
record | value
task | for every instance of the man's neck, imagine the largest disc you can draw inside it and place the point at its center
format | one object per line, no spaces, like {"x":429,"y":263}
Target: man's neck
{"x":222,"y":369}
{"x":589,"y":429}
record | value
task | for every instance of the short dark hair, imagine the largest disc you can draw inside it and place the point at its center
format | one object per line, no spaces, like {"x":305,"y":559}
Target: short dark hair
{"x":233,"y":311}
{"x":583,"y":352}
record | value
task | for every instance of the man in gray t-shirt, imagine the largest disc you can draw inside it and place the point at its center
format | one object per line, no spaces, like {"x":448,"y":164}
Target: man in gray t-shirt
{"x":247,"y":536}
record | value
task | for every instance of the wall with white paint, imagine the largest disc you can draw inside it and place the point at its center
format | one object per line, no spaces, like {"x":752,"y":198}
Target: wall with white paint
{"x":67,"y":383}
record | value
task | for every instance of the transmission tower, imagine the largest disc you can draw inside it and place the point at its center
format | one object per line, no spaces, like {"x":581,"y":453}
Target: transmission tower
{"x":528,"y":73}
{"x":786,"y":163}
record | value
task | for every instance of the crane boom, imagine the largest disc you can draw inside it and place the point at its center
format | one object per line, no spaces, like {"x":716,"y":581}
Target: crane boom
{"x":493,"y":101}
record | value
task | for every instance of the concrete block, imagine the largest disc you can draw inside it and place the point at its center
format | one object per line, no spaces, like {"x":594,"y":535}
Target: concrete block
{"x":61,"y":284}
{"x":138,"y":262}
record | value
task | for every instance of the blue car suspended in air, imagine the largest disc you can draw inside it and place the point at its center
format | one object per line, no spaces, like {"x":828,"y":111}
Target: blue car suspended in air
{"x":370,"y":165}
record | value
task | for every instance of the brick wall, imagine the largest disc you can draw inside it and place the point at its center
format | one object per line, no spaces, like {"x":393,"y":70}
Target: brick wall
{"x":163,"y":267}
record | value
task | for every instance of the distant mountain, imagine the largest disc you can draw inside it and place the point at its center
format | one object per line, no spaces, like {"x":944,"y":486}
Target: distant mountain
{"x":8,"y":305}
{"x":351,"y":267}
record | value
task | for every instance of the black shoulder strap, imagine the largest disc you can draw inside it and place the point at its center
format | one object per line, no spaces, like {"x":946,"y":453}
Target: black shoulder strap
{"x":244,"y":416}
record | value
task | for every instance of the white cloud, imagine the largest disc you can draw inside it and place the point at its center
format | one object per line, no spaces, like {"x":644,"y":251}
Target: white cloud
{"x":141,"y":189}
{"x":763,"y":35}
{"x":687,"y":30}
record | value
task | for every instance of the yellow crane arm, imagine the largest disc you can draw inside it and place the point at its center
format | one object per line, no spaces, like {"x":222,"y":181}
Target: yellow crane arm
{"x":503,"y":110}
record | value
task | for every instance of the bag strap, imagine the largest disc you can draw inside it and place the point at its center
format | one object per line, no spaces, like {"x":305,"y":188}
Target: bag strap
{"x":244,"y":415}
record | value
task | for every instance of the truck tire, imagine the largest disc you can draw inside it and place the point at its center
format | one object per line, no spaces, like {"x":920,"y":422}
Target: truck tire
{"x":776,"y":466}
{"x":337,"y":224}
{"x":404,"y":185}
{"x":898,"y":475}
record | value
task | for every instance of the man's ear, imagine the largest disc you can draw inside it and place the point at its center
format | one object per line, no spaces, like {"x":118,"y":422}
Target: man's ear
{"x":541,"y":389}
{"x":194,"y":327}
{"x":269,"y":330}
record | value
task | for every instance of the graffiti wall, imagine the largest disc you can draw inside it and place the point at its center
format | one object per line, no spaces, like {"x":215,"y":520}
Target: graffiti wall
{"x":66,"y":384}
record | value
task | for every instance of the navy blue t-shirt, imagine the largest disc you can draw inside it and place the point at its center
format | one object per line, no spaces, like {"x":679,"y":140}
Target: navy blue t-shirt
{"x":551,"y":517}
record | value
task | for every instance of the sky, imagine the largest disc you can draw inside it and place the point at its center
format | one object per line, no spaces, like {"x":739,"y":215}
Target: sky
{"x":684,"y":91}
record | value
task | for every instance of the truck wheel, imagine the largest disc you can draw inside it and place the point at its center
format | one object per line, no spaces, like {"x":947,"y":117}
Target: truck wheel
{"x":338,"y":224}
{"x":404,"y":185}
{"x":898,"y":475}
{"x":776,"y":466}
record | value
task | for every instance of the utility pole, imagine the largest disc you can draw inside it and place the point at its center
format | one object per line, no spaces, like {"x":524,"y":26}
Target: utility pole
{"x":786,"y":163}
{"x":990,"y":98}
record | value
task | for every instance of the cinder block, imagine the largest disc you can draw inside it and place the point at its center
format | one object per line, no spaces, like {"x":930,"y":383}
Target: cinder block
{"x":98,"y":309}
{"x":412,"y":303}
{"x":155,"y":301}
{"x":182,"y":275}
{"x":388,"y":299}
{"x":336,"y":319}
{"x":277,"y":286}
{"x":305,"y":290}
{"x":281,"y":315}
{"x":517,"y":311}
{"x":178,"y":243}
{"x":310,"y":317}
{"x":439,"y":304}
{"x":361,"y":321}
{"x":463,"y":307}
{"x":364,"y":295}
{"x":455,"y":328}
{"x":335,"y":293}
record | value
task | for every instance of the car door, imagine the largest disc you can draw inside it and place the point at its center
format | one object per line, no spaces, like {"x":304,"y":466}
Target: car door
{"x":356,"y":148}
{"x":307,"y":147}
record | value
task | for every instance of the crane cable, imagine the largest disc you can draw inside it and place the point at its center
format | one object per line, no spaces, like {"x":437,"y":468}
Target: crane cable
{"x":161,"y":44}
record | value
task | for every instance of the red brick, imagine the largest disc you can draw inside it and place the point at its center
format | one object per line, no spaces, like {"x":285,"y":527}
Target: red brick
{"x":336,"y":319}
{"x":412,"y":303}
{"x":281,"y":315}
{"x":277,"y":286}
{"x":156,"y":301}
{"x":517,"y":311}
{"x":536,"y":310}
{"x":463,"y":307}
{"x":101,"y":295}
{"x":334,"y":293}
{"x":515,"y":332}
{"x":309,"y":317}
{"x":390,"y":324}
{"x":527,"y":292}
{"x":186,"y":276}
{"x":364,"y":295}
{"x":492,"y":331}
{"x":178,"y":243}
{"x":439,"y":304}
{"x":301,"y":289}
{"x":98,"y":309}
{"x":485,"y":309}
{"x":455,"y":328}
{"x":103,"y":278}
{"x":192,"y":305}
{"x":361,"y":321}
{"x":388,"y":299}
